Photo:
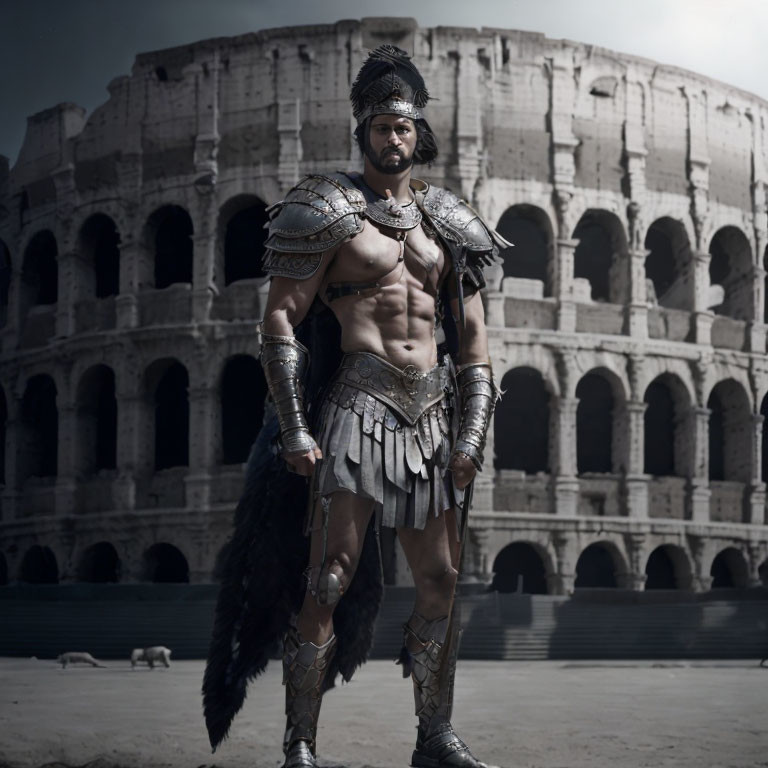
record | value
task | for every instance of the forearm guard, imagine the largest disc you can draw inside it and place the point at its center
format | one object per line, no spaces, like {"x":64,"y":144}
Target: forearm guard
{"x":478,"y":395}
{"x":285,"y":362}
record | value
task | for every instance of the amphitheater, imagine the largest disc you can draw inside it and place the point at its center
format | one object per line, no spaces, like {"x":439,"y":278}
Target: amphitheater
{"x":627,"y":325}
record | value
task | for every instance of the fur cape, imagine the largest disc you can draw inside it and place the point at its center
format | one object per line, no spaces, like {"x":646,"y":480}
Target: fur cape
{"x":260,"y":568}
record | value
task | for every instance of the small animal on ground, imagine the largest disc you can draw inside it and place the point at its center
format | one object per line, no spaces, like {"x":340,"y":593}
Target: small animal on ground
{"x":77,"y":657}
{"x":156,"y":654}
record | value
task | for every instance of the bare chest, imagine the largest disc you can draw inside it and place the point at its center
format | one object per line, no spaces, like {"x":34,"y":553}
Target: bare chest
{"x":387,"y":257}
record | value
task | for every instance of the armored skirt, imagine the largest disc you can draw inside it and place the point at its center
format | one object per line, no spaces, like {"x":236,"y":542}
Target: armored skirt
{"x":385,"y":434}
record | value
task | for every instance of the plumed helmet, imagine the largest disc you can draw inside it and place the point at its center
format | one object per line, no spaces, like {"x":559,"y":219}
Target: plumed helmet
{"x":388,"y":83}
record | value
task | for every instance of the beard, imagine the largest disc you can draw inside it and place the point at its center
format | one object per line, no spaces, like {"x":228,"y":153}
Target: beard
{"x":384,"y":162}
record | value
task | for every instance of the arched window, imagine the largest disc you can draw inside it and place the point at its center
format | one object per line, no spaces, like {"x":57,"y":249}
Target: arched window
{"x":667,"y":437}
{"x":40,"y":271}
{"x":170,"y":234}
{"x":519,"y":567}
{"x":594,"y":424}
{"x":521,"y":422}
{"x":40,"y":429}
{"x":97,"y":420}
{"x":596,"y":568}
{"x":601,"y":256}
{"x":164,"y":563}
{"x":243,"y":391}
{"x":669,"y":264}
{"x":668,"y":568}
{"x":729,"y":433}
{"x":730,"y":266}
{"x":528,"y":228}
{"x":729,"y":570}
{"x":244,"y":237}
{"x":100,"y":246}
{"x":39,"y":566}
{"x":171,"y":405}
{"x":99,"y":564}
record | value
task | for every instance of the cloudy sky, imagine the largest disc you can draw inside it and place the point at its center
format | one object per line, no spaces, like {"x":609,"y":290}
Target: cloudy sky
{"x":68,"y":50}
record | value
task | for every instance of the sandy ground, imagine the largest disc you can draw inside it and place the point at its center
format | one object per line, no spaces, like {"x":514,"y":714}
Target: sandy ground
{"x":513,"y":714}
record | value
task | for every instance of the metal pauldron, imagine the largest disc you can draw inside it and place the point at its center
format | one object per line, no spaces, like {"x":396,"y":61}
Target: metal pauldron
{"x":478,"y":396}
{"x":285,"y":361}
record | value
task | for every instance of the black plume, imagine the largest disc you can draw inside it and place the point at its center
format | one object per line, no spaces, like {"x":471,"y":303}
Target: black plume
{"x":387,"y":70}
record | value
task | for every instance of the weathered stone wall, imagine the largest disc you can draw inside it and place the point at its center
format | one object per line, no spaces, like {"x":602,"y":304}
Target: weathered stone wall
{"x":638,"y":190}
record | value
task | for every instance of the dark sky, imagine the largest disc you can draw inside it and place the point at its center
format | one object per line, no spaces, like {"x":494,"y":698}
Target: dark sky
{"x":68,"y":50}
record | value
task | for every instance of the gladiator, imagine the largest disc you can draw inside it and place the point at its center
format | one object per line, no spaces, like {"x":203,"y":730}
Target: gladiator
{"x":387,"y":269}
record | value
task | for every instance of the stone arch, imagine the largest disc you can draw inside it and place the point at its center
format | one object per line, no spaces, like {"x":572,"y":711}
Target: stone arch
{"x":729,"y":569}
{"x":730,"y":267}
{"x":39,"y":566}
{"x":598,"y":418}
{"x":96,"y":411}
{"x":601,"y":256}
{"x":167,"y":384}
{"x":242,"y":392}
{"x":668,"y":567}
{"x":762,"y":572}
{"x":670,"y":265}
{"x":40,"y":271}
{"x":241,"y":238}
{"x":99,"y":244}
{"x":730,"y":432}
{"x":667,"y":427}
{"x":6,"y":271}
{"x":530,"y":230}
{"x":164,"y":563}
{"x":99,"y":564}
{"x":764,"y":440}
{"x":600,"y":565}
{"x":521,"y":422}
{"x":39,"y":429}
{"x":168,"y":235}
{"x":521,"y":563}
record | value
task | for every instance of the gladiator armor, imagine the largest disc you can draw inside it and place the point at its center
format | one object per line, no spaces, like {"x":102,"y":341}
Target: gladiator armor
{"x":285,"y":361}
{"x":478,"y":397}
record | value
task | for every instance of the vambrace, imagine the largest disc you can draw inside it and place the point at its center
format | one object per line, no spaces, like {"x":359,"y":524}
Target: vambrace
{"x":285,"y":362}
{"x":478,"y":395}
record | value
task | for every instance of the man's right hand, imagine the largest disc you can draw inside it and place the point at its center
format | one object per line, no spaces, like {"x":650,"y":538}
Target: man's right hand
{"x":303,"y":463}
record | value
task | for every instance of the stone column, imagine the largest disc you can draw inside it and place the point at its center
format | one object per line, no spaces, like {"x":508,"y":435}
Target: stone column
{"x":127,"y":302}
{"x":756,"y":327}
{"x":702,"y":582}
{"x":64,"y":492}
{"x":636,"y":481}
{"x":129,"y":446}
{"x":699,"y":492}
{"x":566,"y":307}
{"x":202,"y":412}
{"x":291,"y":150}
{"x":204,"y":244}
{"x":636,"y":578}
{"x":566,"y":483}
{"x":68,"y":268}
{"x":637,"y":311}
{"x":756,"y":498}
{"x":703,"y":318}
{"x":563,"y":581}
{"x":755,"y":551}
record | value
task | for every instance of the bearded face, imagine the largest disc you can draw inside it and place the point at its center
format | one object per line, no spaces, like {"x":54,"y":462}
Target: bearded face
{"x":391,"y":143}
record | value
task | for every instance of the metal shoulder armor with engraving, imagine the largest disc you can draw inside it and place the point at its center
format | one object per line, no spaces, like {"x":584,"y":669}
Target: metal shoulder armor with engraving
{"x":473,"y":244}
{"x":316,"y":215}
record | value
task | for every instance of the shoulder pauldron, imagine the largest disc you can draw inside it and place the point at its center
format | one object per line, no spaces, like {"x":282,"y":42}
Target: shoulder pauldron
{"x":316,"y":215}
{"x":475,"y":243}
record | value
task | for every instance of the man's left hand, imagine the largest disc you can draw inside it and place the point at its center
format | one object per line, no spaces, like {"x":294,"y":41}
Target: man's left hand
{"x":463,"y":469}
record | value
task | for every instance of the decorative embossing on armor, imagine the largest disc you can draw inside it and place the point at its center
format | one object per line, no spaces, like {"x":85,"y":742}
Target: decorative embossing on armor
{"x":296,"y":266}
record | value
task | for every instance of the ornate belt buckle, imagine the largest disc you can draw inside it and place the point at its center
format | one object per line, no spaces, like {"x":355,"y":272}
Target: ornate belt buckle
{"x":410,"y":376}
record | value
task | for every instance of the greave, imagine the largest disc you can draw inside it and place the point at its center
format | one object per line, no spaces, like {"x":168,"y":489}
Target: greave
{"x":432,"y":648}
{"x":304,"y":668}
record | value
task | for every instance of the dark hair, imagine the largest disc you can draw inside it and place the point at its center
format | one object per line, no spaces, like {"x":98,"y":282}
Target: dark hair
{"x":426,"y":145}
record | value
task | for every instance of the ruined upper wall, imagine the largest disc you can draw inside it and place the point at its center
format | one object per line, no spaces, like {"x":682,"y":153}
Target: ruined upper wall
{"x":277,"y":101}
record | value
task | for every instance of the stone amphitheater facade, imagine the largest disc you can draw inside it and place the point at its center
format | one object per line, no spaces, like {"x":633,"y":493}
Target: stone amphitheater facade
{"x":627,"y":326}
